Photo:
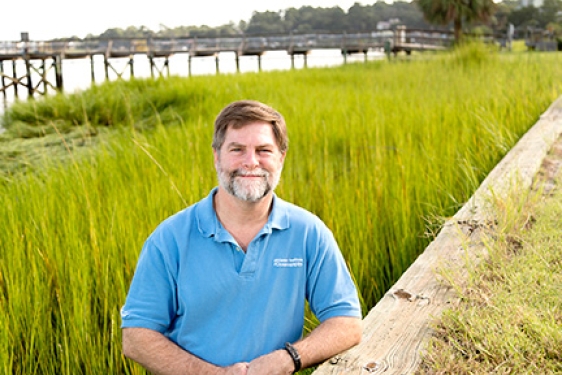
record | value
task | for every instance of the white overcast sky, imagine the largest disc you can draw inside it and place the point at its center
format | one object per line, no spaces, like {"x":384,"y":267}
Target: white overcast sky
{"x":64,"y":18}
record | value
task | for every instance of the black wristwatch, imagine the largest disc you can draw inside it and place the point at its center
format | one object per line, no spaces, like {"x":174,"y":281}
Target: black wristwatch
{"x":294,"y":355}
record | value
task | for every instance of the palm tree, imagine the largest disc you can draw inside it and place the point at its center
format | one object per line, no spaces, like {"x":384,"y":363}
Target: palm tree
{"x":458,"y":11}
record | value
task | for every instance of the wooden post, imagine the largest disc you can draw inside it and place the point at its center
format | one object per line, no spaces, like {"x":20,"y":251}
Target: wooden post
{"x":92,"y":74}
{"x":3,"y":79}
{"x":237,"y":60}
{"x":151,"y":66}
{"x":259,"y":63}
{"x":344,"y":48}
{"x":15,"y":76}
{"x":189,"y":65}
{"x":44,"y":76}
{"x":217,"y":63}
{"x":387,"y":48}
{"x":58,"y":73}
{"x":167,"y":65}
{"x":27,"y":62}
{"x":106,"y":58}
{"x":106,"y":66}
{"x":29,"y":84}
{"x":291,"y":50}
{"x":305,"y":55}
{"x":131,"y":63}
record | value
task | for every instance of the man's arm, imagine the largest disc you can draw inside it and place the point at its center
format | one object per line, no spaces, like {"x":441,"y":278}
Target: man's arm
{"x":160,"y":356}
{"x":331,"y":337}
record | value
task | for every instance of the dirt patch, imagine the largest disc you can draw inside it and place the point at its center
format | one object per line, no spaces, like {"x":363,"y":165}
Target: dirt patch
{"x":550,"y":169}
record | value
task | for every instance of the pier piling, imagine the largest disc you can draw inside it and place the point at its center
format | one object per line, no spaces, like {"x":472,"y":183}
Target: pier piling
{"x":92,"y":70}
{"x":3,"y":80}
{"x":58,"y":73}
{"x":15,"y":78}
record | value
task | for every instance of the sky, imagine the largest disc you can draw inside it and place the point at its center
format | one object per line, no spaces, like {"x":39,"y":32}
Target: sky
{"x":45,"y":20}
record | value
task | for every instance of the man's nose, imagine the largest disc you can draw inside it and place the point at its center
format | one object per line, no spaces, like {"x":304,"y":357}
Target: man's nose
{"x":251,"y":159}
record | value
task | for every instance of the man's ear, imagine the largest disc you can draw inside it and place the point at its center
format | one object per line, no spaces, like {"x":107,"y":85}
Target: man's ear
{"x":216,"y":156}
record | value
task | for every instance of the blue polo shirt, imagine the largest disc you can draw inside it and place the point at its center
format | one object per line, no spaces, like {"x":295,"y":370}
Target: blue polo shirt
{"x":195,"y":285}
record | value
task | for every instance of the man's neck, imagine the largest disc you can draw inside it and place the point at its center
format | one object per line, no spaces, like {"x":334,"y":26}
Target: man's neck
{"x":243,"y":220}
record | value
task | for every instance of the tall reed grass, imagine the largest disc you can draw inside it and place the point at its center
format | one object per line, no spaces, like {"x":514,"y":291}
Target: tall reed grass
{"x":379,"y":151}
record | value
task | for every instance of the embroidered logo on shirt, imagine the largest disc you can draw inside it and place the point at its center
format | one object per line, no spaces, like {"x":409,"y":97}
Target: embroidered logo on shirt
{"x":292,"y":262}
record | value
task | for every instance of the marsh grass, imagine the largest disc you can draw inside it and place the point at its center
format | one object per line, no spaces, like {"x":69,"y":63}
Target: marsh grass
{"x":376,"y":150}
{"x":510,"y":317}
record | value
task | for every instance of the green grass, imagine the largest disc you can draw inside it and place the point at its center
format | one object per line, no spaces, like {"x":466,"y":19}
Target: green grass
{"x":380,"y":151}
{"x":510,"y":317}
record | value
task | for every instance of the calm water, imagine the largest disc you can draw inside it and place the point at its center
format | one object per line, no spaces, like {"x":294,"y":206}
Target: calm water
{"x":77,"y":75}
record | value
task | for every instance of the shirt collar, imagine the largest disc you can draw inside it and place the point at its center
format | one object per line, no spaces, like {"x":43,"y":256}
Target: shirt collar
{"x":210,"y":226}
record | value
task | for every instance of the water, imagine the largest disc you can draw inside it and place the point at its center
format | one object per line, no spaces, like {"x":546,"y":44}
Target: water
{"x":77,"y":73}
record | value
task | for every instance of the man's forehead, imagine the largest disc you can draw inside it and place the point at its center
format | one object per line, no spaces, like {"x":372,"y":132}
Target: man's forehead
{"x":237,"y":125}
{"x":253,"y":130}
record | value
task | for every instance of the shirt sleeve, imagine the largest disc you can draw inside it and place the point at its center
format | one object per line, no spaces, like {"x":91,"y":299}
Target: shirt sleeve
{"x":151,"y":301}
{"x":330,"y":289}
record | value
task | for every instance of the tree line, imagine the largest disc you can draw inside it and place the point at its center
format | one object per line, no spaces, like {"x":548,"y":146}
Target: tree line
{"x":479,"y":16}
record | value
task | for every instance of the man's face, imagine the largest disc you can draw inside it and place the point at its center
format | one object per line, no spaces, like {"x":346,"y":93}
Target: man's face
{"x":249,"y":163}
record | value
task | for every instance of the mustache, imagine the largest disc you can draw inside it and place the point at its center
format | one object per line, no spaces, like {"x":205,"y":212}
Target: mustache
{"x":254,"y":173}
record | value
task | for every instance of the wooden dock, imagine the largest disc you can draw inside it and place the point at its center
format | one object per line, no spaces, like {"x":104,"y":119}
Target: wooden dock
{"x":40,"y":57}
{"x":397,"y":328}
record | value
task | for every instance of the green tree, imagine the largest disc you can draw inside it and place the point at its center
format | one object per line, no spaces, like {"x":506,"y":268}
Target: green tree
{"x":265,"y":23}
{"x":458,"y":12}
{"x":361,"y":18}
{"x":406,"y":12}
{"x":329,"y":19}
{"x":525,"y":16}
{"x":549,"y":12}
{"x":502,"y":14}
{"x":307,"y":18}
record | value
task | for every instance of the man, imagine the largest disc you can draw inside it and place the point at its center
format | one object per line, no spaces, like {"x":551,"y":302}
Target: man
{"x":220,"y":287}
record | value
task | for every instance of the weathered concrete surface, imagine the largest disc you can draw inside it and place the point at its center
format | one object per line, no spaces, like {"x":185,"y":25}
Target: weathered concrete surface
{"x":397,"y":328}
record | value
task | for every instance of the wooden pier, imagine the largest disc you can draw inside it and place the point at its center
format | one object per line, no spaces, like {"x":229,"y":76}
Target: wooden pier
{"x":40,"y":57}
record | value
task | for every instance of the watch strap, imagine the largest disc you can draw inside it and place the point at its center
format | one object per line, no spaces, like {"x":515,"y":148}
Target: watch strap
{"x":294,"y":355}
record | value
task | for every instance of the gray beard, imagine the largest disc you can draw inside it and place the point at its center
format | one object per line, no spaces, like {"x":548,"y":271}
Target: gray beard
{"x":248,"y":191}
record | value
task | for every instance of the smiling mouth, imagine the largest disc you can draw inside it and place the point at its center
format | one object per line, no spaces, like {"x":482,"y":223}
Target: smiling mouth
{"x":250,"y":175}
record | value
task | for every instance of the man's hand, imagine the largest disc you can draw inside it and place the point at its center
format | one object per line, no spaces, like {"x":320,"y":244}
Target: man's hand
{"x":160,"y":356}
{"x":278,"y":362}
{"x":328,"y":339}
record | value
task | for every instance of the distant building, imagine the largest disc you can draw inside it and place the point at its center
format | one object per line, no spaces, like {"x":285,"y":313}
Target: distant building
{"x":535,"y":3}
{"x":385,"y":25}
